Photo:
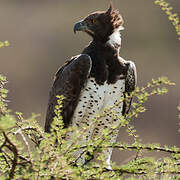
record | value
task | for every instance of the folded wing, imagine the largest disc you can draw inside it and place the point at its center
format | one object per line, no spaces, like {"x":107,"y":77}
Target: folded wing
{"x":68,"y":81}
{"x":130,"y":85}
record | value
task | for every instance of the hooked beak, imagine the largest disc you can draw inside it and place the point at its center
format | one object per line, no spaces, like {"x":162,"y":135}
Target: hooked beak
{"x":80,"y":26}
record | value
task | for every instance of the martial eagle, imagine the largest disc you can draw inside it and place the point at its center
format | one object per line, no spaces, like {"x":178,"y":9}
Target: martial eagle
{"x":95,"y":79}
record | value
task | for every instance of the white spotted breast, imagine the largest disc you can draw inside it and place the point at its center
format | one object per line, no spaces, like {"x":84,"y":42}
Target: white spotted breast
{"x":94,"y":98}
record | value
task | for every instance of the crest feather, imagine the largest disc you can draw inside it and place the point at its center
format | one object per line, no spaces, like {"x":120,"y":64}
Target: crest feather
{"x":110,"y":10}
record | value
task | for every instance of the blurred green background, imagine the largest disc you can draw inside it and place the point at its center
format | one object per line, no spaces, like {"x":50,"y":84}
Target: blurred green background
{"x":41,"y":37}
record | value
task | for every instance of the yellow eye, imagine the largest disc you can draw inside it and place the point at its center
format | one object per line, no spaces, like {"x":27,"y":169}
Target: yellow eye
{"x":94,"y":21}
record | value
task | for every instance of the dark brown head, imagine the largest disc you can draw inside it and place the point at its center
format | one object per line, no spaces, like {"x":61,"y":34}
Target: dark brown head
{"x":101,"y":24}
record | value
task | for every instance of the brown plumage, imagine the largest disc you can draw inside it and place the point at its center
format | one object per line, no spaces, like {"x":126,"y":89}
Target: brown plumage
{"x":95,"y":79}
{"x":68,"y":81}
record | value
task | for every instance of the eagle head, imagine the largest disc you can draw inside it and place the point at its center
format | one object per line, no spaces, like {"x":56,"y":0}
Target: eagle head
{"x":103,"y":26}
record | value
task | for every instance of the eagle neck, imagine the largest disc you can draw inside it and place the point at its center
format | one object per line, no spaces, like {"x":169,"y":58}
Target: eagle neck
{"x":108,"y":50}
{"x":107,"y":53}
{"x":106,"y":64}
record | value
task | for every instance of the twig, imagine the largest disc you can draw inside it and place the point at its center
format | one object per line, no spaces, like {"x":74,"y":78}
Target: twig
{"x":19,"y":131}
{"x":145,"y":148}
{"x":133,"y":147}
{"x":29,"y":128}
{"x":25,"y":129}
{"x":6,"y":160}
{"x":12,"y":148}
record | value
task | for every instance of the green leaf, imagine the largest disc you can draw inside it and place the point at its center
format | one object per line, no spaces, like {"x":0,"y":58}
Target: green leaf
{"x":7,"y":121}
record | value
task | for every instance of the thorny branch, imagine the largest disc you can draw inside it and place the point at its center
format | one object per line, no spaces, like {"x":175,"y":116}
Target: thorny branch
{"x":139,"y":172}
{"x":27,"y":144}
{"x":13,"y":149}
{"x":134,"y":147}
{"x":17,"y":159}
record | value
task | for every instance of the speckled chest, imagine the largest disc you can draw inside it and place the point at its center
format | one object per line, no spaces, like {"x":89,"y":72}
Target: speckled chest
{"x":94,"y":98}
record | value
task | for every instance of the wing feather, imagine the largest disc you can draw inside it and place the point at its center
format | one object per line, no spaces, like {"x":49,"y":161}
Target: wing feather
{"x":130,"y":85}
{"x":68,"y":81}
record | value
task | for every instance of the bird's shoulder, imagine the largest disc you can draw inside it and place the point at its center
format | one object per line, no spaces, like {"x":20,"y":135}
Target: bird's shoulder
{"x":78,"y":60}
{"x":76,"y":63}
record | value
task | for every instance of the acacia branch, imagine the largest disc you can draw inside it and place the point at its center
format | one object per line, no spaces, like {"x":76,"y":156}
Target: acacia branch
{"x":161,"y":149}
{"x":12,"y":148}
{"x":29,"y":128}
{"x":139,"y":172}
{"x":19,"y":131}
{"x":134,"y":147}
{"x":5,"y":158}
